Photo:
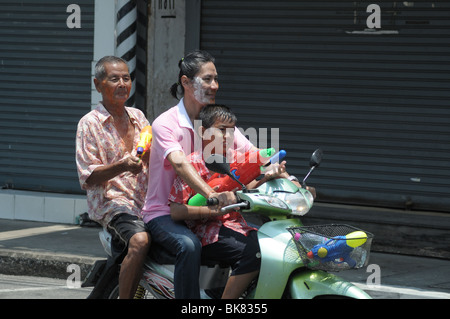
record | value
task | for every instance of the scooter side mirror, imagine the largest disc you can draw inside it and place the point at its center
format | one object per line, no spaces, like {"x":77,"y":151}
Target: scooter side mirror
{"x":316,"y":158}
{"x":218,"y":163}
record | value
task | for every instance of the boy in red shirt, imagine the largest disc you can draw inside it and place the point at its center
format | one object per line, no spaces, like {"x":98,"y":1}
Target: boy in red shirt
{"x":224,"y":237}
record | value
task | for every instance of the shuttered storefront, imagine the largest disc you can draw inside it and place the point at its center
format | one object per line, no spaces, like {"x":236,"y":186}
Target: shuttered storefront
{"x":377,"y":101}
{"x":45,"y":88}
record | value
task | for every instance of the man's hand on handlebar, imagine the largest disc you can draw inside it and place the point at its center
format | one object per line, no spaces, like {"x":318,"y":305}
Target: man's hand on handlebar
{"x":217,"y":201}
{"x":224,"y":198}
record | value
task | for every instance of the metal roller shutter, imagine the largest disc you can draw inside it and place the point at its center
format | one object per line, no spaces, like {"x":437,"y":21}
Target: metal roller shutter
{"x":45,"y":88}
{"x":375,"y":101}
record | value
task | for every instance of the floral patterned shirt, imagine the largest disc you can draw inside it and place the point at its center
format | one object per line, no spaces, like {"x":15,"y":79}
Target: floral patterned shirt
{"x":98,"y":143}
{"x":206,"y":229}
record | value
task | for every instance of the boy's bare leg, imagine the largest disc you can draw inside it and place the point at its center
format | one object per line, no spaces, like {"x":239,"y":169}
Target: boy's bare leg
{"x":236,"y":285}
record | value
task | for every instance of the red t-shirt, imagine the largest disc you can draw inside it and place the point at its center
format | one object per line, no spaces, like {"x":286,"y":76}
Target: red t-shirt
{"x":206,"y":229}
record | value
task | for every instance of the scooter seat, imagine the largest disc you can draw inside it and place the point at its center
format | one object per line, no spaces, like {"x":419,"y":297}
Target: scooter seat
{"x":163,"y":256}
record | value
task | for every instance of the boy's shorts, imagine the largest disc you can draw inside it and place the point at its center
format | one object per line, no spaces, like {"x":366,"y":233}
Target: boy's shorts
{"x":241,"y":252}
{"x":122,"y":227}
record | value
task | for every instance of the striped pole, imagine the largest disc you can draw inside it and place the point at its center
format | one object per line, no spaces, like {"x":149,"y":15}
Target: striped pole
{"x":141,"y":55}
{"x":126,"y":36}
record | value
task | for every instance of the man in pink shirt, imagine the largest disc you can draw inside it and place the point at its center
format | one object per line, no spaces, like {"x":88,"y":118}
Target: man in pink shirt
{"x":174,"y":138}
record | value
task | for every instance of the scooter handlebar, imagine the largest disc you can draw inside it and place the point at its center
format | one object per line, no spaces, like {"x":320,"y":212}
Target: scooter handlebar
{"x":234,"y":206}
{"x":212,"y":201}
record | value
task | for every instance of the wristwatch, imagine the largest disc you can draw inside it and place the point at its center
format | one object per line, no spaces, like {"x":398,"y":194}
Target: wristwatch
{"x":292,"y":178}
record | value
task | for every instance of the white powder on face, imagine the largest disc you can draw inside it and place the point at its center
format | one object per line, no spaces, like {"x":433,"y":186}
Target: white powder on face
{"x":200,"y":91}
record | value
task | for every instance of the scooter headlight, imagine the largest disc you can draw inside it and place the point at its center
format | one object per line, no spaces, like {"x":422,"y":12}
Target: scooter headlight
{"x":299,"y":202}
{"x":275,"y":202}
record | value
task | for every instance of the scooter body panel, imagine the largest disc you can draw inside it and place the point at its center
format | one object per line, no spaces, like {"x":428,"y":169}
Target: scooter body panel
{"x":309,"y":284}
{"x":279,"y":258}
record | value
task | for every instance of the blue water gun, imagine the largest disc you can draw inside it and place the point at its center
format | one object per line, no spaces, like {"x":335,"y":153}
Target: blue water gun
{"x":335,"y":250}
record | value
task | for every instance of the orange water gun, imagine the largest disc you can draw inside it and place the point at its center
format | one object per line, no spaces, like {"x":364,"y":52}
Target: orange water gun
{"x":245,"y":169}
{"x":145,"y":141}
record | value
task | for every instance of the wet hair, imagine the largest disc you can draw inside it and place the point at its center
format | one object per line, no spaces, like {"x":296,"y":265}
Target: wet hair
{"x":100,"y":71}
{"x":213,"y":112}
{"x":190,"y":65}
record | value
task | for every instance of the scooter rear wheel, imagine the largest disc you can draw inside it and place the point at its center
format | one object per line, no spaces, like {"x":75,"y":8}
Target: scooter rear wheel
{"x":112,"y":289}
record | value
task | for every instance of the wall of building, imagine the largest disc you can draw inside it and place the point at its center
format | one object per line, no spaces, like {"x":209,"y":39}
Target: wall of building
{"x":166,"y":46}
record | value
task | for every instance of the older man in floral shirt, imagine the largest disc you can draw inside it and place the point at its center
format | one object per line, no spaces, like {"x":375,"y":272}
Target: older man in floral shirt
{"x":114,"y":178}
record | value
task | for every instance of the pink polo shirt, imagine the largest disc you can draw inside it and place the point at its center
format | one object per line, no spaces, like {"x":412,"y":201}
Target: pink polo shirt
{"x":172,"y":131}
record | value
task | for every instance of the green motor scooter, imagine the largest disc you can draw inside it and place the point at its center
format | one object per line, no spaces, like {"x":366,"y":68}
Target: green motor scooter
{"x":287,"y":269}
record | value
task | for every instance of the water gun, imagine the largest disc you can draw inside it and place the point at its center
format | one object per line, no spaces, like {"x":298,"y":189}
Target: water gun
{"x":246,"y":168}
{"x":145,"y":141}
{"x":338,"y":249}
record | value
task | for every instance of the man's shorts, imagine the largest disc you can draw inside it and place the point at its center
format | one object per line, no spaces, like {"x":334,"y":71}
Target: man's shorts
{"x":122,"y":227}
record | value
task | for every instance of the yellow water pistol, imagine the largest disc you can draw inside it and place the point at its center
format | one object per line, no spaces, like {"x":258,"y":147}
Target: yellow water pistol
{"x":145,"y":141}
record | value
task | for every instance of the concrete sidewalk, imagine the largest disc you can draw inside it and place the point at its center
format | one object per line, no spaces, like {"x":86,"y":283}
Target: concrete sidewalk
{"x":46,"y":249}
